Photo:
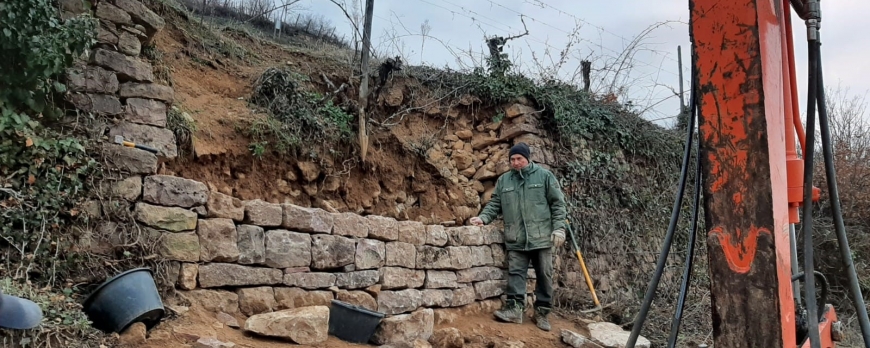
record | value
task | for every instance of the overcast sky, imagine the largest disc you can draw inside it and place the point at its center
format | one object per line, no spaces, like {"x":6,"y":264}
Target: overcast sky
{"x":606,"y":28}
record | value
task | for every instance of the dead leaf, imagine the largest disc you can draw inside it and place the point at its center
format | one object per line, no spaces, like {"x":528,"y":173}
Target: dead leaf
{"x":31,"y":179}
{"x":28,"y":142}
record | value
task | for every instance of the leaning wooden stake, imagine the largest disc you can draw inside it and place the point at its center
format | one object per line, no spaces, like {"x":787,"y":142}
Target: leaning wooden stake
{"x":364,"y":86}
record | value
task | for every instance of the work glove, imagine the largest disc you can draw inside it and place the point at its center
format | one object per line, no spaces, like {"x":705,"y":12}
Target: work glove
{"x":476,"y":221}
{"x":558,"y":238}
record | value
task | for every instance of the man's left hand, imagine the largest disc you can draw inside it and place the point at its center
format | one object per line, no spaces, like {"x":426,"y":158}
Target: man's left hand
{"x":558,"y":238}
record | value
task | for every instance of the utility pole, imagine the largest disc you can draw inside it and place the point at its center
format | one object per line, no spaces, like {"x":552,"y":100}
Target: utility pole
{"x":684,"y":113}
{"x":680,"y":69}
{"x":364,"y":86}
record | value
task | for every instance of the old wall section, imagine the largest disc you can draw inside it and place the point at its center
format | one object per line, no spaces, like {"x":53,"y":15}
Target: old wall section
{"x":114,"y":82}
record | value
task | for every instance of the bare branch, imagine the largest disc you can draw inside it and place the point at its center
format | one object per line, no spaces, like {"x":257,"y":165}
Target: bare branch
{"x":291,"y":3}
{"x":331,"y":85}
{"x":353,"y":22}
{"x":520,"y":35}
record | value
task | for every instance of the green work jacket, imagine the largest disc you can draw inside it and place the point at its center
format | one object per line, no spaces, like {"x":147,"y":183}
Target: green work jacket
{"x":532,"y":205}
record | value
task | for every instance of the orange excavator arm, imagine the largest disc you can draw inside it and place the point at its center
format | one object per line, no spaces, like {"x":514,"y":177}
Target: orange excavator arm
{"x":749,"y":123}
{"x":756,"y":187}
{"x":748,"y":113}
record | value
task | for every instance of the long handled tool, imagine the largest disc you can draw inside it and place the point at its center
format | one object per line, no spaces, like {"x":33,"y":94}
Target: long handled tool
{"x":120,"y":141}
{"x":598,"y":306}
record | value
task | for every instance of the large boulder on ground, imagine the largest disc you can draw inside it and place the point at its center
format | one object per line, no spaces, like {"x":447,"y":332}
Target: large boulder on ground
{"x":405,"y":327}
{"x":611,"y":335}
{"x":305,"y":325}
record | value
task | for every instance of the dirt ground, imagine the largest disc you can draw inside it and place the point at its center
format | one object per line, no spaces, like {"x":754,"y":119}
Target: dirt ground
{"x":479,"y":329}
{"x":214,"y":92}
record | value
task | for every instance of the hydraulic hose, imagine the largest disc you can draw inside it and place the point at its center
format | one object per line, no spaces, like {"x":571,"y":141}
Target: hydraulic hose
{"x":807,"y":224}
{"x":842,"y":239}
{"x":666,"y":245}
{"x":824,"y":286}
{"x":690,"y":253}
{"x":823,"y":281}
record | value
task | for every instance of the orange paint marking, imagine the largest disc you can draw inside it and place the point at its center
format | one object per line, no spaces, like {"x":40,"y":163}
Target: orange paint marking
{"x":738,"y":198}
{"x":739,"y":248}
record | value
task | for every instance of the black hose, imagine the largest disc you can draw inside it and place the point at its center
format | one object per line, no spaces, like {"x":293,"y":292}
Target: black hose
{"x":690,"y":253}
{"x":666,"y":246}
{"x":823,"y":299}
{"x":842,"y":239}
{"x":807,"y":223}
{"x":824,"y":285}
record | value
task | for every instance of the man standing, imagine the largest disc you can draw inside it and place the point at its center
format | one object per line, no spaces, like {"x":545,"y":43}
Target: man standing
{"x":533,"y":207}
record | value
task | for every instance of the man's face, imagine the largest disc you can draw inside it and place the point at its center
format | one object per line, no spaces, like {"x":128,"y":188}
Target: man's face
{"x":518,"y":162}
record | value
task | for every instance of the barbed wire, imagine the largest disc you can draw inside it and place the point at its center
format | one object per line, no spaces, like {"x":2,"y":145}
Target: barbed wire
{"x":652,"y":100}
{"x":534,"y":37}
{"x":583,"y":21}
{"x":541,"y":4}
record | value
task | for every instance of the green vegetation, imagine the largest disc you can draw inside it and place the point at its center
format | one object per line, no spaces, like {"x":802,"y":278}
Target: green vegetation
{"x":63,"y":318}
{"x":578,"y":116}
{"x":45,"y":169}
{"x":296,"y":114}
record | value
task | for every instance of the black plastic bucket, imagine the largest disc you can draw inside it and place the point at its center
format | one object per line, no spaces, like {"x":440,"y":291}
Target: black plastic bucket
{"x":352,"y":323}
{"x":126,"y":298}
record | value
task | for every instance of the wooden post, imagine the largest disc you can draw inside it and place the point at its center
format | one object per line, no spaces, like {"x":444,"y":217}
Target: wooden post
{"x":364,"y":86}
{"x":586,"y":70}
{"x":739,"y":54}
{"x":680,"y":69}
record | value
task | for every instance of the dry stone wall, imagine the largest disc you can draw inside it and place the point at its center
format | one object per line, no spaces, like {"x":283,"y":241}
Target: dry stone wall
{"x":257,"y":257}
{"x":253,"y":256}
{"x":114,"y":82}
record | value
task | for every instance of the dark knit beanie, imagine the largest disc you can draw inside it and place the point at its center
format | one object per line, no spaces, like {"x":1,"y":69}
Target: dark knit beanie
{"x":522,"y":149}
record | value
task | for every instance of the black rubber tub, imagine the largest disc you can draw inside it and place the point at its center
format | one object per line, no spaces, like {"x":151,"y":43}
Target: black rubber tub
{"x":126,"y":298}
{"x":352,"y":323}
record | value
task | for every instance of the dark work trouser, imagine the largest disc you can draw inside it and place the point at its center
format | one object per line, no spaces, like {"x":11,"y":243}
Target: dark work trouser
{"x":518,"y":266}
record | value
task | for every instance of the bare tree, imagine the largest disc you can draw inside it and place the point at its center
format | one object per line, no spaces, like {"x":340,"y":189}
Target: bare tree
{"x":849,"y":124}
{"x":551,"y":71}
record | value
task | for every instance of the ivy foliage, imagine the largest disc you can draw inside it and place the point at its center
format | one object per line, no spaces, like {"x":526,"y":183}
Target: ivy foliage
{"x":610,"y":157}
{"x":579,"y":116}
{"x":35,"y":46}
{"x":43,"y":168}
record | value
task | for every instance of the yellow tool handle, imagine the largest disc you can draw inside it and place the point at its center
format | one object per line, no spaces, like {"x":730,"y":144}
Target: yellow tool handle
{"x":129,"y":144}
{"x":588,"y":279}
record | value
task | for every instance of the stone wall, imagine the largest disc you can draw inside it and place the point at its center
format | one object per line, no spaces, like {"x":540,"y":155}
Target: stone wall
{"x":252,"y":257}
{"x":256,"y":257}
{"x":114,"y":83}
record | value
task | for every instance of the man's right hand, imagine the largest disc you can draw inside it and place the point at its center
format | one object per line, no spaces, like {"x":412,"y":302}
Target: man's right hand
{"x":476,"y":221}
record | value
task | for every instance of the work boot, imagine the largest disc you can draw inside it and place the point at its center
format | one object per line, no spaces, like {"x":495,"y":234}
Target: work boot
{"x":541,"y":318}
{"x":511,"y":312}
